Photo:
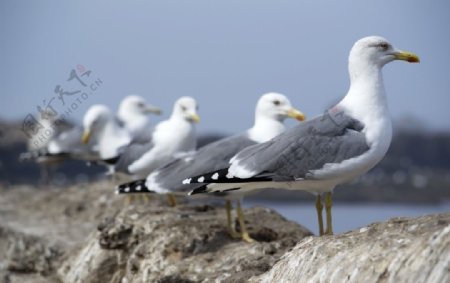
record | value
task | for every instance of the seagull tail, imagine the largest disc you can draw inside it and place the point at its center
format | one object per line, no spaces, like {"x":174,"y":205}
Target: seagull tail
{"x":134,"y":187}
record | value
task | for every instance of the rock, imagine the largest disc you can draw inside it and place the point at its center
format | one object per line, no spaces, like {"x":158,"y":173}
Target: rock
{"x":399,"y":250}
{"x":187,"y":243}
{"x":86,"y":234}
{"x":27,"y":258}
{"x":30,"y":254}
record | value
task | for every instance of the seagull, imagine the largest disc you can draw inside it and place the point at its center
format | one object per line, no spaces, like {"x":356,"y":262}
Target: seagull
{"x":315,"y":156}
{"x":271,"y":110}
{"x":133,"y":112}
{"x":37,"y":145}
{"x":106,"y":131}
{"x":171,"y":138}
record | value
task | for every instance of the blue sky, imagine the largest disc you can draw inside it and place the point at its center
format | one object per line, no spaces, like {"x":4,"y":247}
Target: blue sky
{"x":224,"y":53}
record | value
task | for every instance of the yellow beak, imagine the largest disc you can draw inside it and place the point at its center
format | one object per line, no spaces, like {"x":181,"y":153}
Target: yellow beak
{"x":195,"y":118}
{"x":406,"y":56}
{"x":296,"y":114}
{"x":86,"y":136}
{"x":153,"y":110}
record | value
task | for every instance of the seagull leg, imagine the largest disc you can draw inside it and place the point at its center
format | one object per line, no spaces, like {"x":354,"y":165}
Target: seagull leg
{"x":328,"y":205}
{"x":319,"y":209}
{"x":231,"y":230}
{"x":244,"y":233}
{"x":172,"y":200}
{"x":129,"y":199}
{"x":146,"y":198}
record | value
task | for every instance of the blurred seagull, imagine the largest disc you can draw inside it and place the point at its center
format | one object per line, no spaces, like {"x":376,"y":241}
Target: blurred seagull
{"x":49,"y":127}
{"x":106,"y":132}
{"x":271,"y":110}
{"x":133,"y":112}
{"x":170,"y":139}
{"x":132,"y":115}
{"x":316,"y":156}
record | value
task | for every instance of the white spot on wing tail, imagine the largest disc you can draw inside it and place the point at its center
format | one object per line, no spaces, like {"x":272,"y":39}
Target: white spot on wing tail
{"x":215,"y":176}
{"x":187,"y":181}
{"x":201,"y":179}
{"x":138,"y":188}
{"x":127,"y":189}
{"x":239,"y":171}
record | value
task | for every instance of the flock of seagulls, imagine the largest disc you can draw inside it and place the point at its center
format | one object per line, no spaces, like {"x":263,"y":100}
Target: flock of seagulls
{"x":315,"y":155}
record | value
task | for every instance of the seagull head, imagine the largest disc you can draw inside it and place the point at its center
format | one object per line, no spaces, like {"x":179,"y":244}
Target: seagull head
{"x":186,"y":108}
{"x":276,"y":106}
{"x":134,"y":104}
{"x":376,"y":51}
{"x":94,"y":120}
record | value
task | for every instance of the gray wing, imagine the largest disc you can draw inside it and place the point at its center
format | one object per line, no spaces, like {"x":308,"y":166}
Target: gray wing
{"x":143,"y":137}
{"x":131,"y":153}
{"x":330,"y":138}
{"x":210,"y":157}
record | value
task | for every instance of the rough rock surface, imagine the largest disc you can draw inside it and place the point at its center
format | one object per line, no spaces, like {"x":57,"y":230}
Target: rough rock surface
{"x":39,"y":228}
{"x":182,"y":244}
{"x":87,"y":234}
{"x":399,"y":250}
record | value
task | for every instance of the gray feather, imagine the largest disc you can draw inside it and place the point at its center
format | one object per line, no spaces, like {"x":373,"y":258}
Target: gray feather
{"x":131,"y":153}
{"x":211,"y":157}
{"x":330,"y":138}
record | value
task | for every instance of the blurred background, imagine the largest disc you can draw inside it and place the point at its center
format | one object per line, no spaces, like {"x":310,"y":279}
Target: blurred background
{"x":226,"y":54}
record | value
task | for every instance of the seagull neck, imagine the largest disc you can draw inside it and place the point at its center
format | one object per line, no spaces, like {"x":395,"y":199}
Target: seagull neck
{"x":366,"y":102}
{"x":265,"y":128}
{"x":135,"y":122}
{"x":111,"y":139}
{"x":178,"y":118}
{"x":366,"y":98}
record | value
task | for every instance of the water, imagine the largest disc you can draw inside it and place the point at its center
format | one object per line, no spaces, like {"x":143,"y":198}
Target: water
{"x":349,"y":216}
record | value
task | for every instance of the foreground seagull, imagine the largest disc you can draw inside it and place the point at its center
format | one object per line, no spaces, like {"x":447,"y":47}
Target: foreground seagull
{"x":316,"y":156}
{"x":270,"y":112}
{"x":170,"y":138}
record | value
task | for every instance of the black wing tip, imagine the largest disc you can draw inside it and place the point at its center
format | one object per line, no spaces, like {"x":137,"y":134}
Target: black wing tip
{"x":216,"y":176}
{"x":138,"y":186}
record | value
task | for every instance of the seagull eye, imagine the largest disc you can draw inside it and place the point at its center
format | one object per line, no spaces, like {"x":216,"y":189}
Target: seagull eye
{"x":140,"y":104}
{"x":276,"y":102}
{"x":384,"y":46}
{"x":183,"y":108}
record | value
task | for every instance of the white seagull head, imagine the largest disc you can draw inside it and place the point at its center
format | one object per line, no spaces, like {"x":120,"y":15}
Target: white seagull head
{"x":276,"y":106}
{"x":134,"y":104}
{"x":186,"y":108}
{"x":375,"y":51}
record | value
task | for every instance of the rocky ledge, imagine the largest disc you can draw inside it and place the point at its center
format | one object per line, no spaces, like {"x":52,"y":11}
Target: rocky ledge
{"x":399,"y":250}
{"x":86,"y":234}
